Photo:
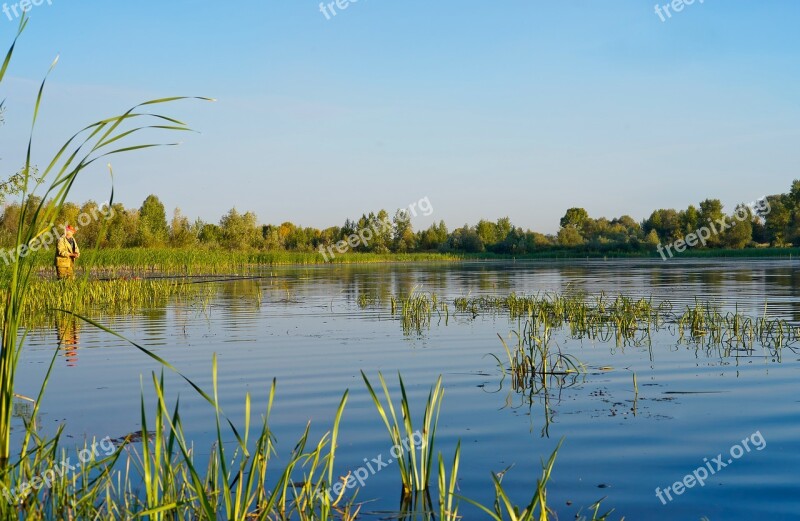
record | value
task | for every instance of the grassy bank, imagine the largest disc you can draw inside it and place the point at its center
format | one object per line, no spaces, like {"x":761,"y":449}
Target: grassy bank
{"x":140,"y":261}
{"x":93,"y":298}
{"x":215,"y":261}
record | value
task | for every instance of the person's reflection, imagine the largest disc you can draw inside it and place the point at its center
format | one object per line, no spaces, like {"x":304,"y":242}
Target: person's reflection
{"x":68,"y":332}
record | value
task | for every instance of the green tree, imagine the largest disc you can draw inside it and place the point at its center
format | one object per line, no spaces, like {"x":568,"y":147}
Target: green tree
{"x":666,"y":224}
{"x":710,"y":215}
{"x":504,"y":227}
{"x":652,"y":240}
{"x":181,"y":232}
{"x":381,"y":225}
{"x":740,"y":232}
{"x":153,"y":229}
{"x":777,"y":221}
{"x":404,"y":239}
{"x":690,"y":220}
{"x":239,"y":231}
{"x":570,"y":237}
{"x":514,"y":243}
{"x":434,"y":238}
{"x":68,"y":214}
{"x":574,"y":218}
{"x":122,"y":227}
{"x":210,"y":234}
{"x":535,"y":241}
{"x":487,"y":231}
{"x":90,"y":223}
{"x":465,"y":239}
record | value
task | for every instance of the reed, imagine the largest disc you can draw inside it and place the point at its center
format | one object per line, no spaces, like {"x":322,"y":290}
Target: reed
{"x":533,"y":357}
{"x":119,"y":296}
{"x":536,"y":508}
{"x":624,"y":319}
{"x":94,"y":142}
{"x":448,"y":501}
{"x":415,"y":470}
{"x":235,"y":484}
{"x":207,"y":260}
{"x":417,"y":309}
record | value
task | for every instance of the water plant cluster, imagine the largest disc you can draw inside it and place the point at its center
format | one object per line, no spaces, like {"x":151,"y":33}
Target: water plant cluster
{"x":246,"y":477}
{"x":141,"y":262}
{"x":92,"y":297}
{"x":622,"y":319}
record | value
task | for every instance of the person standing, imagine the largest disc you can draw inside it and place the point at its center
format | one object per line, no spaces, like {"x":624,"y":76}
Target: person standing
{"x":66,"y":253}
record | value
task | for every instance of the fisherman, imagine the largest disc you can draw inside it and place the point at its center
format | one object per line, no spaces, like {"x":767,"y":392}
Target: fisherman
{"x":66,"y":253}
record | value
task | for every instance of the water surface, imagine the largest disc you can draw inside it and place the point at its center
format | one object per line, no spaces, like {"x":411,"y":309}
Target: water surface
{"x":304,"y":327}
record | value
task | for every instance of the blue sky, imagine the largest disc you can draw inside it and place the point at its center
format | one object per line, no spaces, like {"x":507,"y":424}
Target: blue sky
{"x":490,"y":109}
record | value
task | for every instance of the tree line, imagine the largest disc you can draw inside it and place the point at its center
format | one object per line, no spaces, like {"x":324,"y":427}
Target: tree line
{"x":775,"y":222}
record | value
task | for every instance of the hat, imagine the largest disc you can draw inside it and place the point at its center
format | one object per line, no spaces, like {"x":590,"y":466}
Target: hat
{"x":69,"y":228}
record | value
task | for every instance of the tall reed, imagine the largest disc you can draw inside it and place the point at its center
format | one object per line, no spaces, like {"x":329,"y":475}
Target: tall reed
{"x":415,"y":470}
{"x":537,"y":507}
{"x":102,"y":139}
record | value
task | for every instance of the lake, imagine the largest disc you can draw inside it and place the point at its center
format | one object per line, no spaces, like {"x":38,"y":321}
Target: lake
{"x":315,"y":328}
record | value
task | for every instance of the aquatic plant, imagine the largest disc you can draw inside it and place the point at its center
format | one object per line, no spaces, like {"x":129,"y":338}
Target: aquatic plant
{"x":624,"y":319}
{"x":415,"y":470}
{"x":416,"y":310}
{"x":206,"y":260}
{"x":99,"y":140}
{"x":534,"y":357}
{"x":448,"y":501}
{"x":504,"y":506}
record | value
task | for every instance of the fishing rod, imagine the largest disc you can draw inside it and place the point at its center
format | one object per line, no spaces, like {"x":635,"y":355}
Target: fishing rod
{"x":206,"y":278}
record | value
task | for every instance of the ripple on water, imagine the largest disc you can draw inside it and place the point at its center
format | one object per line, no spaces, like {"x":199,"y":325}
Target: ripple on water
{"x":303,"y":327}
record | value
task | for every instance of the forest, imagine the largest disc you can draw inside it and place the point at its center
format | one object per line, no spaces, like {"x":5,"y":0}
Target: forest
{"x":773,"y":222}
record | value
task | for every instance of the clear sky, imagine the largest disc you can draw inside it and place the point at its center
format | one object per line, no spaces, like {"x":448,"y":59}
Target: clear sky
{"x":490,"y":109}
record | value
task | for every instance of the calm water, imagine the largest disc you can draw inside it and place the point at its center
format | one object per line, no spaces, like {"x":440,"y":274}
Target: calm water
{"x":304,"y":327}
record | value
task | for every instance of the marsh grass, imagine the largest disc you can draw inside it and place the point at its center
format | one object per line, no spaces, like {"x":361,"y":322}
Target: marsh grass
{"x":205,"y":260}
{"x":534,"y":358}
{"x":417,"y":309}
{"x":624,"y":320}
{"x":100,"y":140}
{"x":448,"y":501}
{"x":160,"y":477}
{"x":234,"y":484}
{"x":53,"y":483}
{"x":707,"y":324}
{"x":415,"y":469}
{"x":536,"y":509}
{"x":119,"y":296}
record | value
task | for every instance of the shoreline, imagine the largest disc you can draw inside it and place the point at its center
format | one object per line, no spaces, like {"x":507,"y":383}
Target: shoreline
{"x":194,"y":261}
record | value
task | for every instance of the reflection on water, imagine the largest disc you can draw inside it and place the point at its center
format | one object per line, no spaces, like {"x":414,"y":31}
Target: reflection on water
{"x":68,"y":334}
{"x":315,"y":328}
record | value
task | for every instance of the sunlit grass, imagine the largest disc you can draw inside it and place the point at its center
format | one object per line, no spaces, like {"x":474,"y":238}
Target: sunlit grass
{"x":202,"y":260}
{"x":415,"y":469}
